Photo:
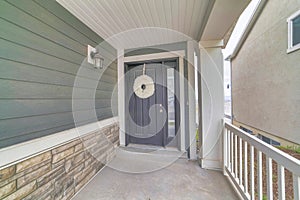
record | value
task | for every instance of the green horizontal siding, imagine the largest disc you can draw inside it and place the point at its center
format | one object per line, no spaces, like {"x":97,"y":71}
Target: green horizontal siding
{"x":22,"y":108}
{"x":27,"y":125}
{"x":42,"y":46}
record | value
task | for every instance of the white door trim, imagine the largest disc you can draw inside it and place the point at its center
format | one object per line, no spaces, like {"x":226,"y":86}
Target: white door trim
{"x":121,"y":102}
{"x":154,"y":56}
{"x":121,"y":95}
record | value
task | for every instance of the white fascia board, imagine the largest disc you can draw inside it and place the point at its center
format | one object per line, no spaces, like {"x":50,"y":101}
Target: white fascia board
{"x":211,"y":44}
{"x":256,"y":13}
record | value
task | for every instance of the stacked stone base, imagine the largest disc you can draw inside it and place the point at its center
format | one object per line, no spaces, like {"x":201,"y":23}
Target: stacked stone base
{"x":61,"y":172}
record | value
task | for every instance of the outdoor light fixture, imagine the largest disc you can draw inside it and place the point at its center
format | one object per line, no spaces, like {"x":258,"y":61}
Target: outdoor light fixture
{"x":98,"y":60}
{"x":95,"y":58}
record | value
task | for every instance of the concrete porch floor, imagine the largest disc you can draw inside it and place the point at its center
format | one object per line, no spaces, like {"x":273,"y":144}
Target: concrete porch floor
{"x":181,"y":179}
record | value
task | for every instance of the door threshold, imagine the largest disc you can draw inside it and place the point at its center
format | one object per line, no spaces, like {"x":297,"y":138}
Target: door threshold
{"x":154,"y":150}
{"x":149,"y":148}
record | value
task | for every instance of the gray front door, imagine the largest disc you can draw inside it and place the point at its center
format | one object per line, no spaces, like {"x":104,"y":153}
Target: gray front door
{"x":161,"y":131}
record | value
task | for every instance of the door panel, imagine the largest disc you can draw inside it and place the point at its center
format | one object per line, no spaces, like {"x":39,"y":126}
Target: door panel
{"x":138,"y":118}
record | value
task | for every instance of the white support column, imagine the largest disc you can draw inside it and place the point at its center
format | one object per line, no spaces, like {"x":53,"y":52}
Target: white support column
{"x":191,"y":100}
{"x":212,"y":94}
{"x":121,"y":96}
{"x":182,"y":108}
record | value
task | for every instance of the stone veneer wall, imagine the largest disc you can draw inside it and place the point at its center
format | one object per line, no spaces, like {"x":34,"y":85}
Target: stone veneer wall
{"x":62,"y":171}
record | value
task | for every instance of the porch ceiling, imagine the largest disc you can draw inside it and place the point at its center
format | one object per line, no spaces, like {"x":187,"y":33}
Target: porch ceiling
{"x":136,"y":23}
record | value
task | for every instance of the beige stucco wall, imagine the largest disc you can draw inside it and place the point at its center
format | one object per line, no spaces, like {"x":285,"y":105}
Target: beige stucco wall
{"x":265,"y":79}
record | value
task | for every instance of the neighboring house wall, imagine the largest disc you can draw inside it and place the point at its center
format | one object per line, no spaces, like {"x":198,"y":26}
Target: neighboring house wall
{"x":42,"y":47}
{"x":265,"y":79}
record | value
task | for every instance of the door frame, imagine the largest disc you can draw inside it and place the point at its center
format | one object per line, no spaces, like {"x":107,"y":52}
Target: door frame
{"x":121,"y":87}
{"x":165,"y":138}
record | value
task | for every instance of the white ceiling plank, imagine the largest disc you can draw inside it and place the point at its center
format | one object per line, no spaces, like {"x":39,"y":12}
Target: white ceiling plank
{"x":157,"y":20}
{"x":128,"y":18}
{"x":86,"y":13}
{"x":161,"y":11}
{"x":145,"y":9}
{"x":128,"y":15}
{"x":102,"y":15}
{"x":175,"y":14}
{"x":175,"y":20}
{"x":182,"y":8}
{"x":188,"y":16}
{"x":133,"y":13}
{"x":117,"y":8}
{"x":152,"y":9}
{"x":168,"y":15}
{"x":109,"y":8}
{"x":198,"y":13}
{"x":140,"y":13}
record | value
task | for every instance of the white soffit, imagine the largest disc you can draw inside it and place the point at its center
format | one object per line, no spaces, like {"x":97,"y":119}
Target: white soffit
{"x":112,"y":18}
{"x":223,"y":16}
{"x":136,"y":23}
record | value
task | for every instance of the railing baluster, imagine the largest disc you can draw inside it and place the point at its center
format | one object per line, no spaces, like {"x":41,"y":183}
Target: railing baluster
{"x":296,"y":184}
{"x":252,"y":193}
{"x":269,"y":178}
{"x":225,"y":150}
{"x":259,"y":175}
{"x":236,"y":142}
{"x":228,"y":149}
{"x":281,"y":182}
{"x":241,"y":161}
{"x":231,"y":149}
{"x":235,"y":156}
{"x":246,"y":167}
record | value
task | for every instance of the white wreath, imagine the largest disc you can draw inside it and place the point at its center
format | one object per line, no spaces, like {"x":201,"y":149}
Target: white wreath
{"x":143,"y":86}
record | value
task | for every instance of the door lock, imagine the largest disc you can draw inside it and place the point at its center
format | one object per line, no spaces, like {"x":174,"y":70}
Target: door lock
{"x":160,"y":110}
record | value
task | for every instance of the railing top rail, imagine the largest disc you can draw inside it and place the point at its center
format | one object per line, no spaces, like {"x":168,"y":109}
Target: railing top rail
{"x":279,"y":156}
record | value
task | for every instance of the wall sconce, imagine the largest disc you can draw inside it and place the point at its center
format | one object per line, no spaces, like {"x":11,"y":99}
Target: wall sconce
{"x":95,"y":58}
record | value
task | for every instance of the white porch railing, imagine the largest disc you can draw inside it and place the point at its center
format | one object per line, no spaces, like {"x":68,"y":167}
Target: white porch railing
{"x":239,"y":164}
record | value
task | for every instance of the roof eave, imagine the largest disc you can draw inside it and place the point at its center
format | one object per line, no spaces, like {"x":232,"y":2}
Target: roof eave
{"x":246,"y":32}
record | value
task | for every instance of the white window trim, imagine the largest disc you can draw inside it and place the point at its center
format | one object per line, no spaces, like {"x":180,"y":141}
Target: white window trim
{"x":292,"y":48}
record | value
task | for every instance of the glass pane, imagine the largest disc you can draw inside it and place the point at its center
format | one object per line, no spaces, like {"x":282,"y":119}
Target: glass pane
{"x":296,"y":31}
{"x":171,"y":102}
